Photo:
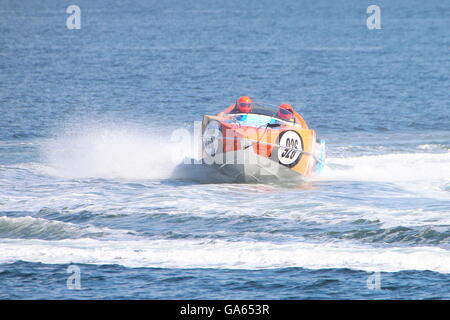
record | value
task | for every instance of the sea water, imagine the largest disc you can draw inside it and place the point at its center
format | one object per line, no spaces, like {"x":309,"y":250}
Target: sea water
{"x":90,"y":190}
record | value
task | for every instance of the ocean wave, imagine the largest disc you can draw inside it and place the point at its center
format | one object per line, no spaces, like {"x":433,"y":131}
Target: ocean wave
{"x":226,"y":255}
{"x":400,"y":235}
{"x":38,"y":228}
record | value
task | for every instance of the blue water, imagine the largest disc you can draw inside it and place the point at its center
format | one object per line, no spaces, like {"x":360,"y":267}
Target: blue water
{"x":87,"y":170}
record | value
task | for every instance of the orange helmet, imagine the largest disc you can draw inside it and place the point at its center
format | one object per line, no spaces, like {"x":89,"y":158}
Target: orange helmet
{"x":285,"y":112}
{"x":243,"y":104}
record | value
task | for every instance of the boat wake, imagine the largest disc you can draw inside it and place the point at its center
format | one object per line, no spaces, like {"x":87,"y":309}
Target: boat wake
{"x":424,"y":173}
{"x":136,"y":154}
{"x":124,"y":153}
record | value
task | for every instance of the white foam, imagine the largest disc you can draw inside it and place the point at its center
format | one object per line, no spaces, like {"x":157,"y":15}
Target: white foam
{"x":105,"y":152}
{"x":424,"y":173}
{"x":223,"y":254}
{"x":393,"y":167}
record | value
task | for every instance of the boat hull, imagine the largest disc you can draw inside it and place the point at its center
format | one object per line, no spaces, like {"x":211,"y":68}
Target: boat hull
{"x":246,"y":166}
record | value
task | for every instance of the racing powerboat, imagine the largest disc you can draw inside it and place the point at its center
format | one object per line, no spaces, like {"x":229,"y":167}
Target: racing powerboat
{"x":260,"y":146}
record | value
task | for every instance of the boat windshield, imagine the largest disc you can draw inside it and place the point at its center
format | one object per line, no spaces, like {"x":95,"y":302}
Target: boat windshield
{"x":267,"y":110}
{"x":261,"y":109}
{"x":253,"y":120}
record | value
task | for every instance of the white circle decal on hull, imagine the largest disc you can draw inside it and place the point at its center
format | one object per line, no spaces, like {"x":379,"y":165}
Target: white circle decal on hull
{"x":291,"y":147}
{"x":211,"y":137}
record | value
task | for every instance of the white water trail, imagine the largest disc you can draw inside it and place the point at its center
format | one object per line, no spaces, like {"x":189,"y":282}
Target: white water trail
{"x":424,"y":173}
{"x":107,"y":152}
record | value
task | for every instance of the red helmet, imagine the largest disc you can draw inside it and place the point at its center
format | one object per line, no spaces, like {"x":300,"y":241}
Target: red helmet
{"x":285,"y":112}
{"x":244,"y":104}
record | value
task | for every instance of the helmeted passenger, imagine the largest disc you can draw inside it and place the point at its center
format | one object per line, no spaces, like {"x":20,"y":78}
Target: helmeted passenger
{"x":285,"y":112}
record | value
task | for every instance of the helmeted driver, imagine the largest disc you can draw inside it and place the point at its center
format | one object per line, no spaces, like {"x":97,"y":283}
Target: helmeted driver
{"x":243,"y":105}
